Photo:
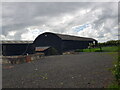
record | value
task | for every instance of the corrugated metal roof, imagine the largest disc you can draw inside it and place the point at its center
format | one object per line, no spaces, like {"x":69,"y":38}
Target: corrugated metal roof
{"x":41,"y":48}
{"x":71,"y":37}
{"x":16,"y":42}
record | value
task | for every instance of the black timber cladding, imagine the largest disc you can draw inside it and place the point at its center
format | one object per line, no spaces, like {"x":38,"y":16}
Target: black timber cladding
{"x":10,"y":48}
{"x":62,"y":42}
{"x":48,"y":39}
{"x":59,"y":42}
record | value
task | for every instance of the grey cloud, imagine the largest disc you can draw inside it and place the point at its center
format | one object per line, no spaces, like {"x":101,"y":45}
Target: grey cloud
{"x":19,"y":16}
{"x":24,"y":14}
{"x":108,"y":12}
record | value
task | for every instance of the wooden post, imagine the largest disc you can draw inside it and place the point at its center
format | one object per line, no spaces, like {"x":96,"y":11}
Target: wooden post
{"x":28,"y":58}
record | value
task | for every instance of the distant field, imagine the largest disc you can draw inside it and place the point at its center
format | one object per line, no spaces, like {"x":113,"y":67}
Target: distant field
{"x":104,"y":49}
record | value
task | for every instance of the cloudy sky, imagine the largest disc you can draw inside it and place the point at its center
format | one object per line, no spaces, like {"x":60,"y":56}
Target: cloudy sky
{"x":26,"y":20}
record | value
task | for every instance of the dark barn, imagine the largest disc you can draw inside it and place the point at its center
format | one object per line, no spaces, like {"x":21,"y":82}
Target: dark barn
{"x":62,"y":42}
{"x":10,"y":48}
{"x":49,"y":43}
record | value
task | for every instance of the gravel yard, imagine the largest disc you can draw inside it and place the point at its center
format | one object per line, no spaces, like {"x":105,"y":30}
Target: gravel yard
{"x":84,"y":70}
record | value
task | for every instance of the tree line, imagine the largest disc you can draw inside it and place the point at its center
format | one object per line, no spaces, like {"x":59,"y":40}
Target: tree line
{"x":110,"y":43}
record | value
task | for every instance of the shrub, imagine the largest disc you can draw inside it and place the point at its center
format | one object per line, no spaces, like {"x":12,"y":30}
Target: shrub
{"x":52,"y":51}
{"x":116,"y":70}
{"x":114,"y":86}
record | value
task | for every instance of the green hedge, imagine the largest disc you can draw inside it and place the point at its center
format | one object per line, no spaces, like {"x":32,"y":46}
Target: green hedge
{"x":103,"y":49}
{"x":116,"y":70}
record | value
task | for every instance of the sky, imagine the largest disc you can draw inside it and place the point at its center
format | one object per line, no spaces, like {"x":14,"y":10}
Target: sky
{"x":27,"y":20}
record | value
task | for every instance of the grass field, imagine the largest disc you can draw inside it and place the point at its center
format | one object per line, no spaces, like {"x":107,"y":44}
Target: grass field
{"x":103,"y":49}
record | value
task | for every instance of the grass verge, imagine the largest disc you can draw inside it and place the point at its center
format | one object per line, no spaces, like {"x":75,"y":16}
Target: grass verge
{"x":115,"y":71}
{"x":103,"y":49}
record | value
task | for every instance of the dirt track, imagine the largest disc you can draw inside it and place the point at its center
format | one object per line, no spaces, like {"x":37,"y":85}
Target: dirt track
{"x":86,"y":70}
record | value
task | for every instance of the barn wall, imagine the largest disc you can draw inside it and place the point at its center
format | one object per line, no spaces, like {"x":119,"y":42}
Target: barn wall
{"x":49,"y":40}
{"x":16,"y":49}
{"x":72,"y":45}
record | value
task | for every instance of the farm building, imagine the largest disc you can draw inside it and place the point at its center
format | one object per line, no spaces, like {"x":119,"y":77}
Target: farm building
{"x":62,"y":42}
{"x":48,"y":43}
{"x":10,"y":48}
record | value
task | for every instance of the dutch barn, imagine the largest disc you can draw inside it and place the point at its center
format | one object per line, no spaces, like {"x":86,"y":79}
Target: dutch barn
{"x":62,"y":42}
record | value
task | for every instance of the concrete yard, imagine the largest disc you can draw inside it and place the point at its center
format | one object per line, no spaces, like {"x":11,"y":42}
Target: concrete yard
{"x":84,"y":70}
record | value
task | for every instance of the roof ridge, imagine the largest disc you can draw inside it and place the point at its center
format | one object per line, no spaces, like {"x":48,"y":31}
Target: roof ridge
{"x":68,"y":35}
{"x":71,"y":37}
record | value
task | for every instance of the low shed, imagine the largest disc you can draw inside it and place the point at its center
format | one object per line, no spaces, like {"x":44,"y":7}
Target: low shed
{"x":10,"y":48}
{"x":47,"y":50}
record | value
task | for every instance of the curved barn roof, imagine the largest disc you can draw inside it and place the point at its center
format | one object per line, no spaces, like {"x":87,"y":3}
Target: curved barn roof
{"x":70,"y":37}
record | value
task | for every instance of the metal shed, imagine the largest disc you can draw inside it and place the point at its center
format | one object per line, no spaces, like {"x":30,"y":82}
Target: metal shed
{"x":47,"y":50}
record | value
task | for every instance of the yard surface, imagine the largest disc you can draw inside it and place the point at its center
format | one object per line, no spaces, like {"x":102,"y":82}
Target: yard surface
{"x":84,"y":70}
